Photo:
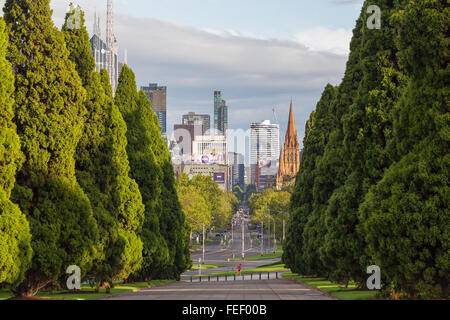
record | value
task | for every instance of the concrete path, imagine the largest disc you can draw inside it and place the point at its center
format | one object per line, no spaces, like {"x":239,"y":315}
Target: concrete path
{"x":281,"y":289}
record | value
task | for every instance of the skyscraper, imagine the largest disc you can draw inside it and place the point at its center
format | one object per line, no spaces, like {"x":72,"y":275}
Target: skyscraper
{"x":158,"y":96}
{"x":220,"y":114}
{"x":105,"y":53}
{"x":290,"y":155}
{"x":203,"y":120}
{"x":264,"y":151}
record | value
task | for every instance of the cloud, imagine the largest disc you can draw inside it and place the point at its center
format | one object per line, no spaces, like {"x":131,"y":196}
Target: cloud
{"x":254,"y":73}
{"x":328,"y":40}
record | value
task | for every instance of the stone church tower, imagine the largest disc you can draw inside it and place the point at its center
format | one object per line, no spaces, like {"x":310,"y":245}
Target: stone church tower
{"x":289,"y":155}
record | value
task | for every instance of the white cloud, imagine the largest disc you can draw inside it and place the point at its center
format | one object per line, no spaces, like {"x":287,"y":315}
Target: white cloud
{"x":254,"y":73}
{"x":324,"y":39}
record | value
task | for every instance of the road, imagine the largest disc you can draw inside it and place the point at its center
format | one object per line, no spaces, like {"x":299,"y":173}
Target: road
{"x":281,"y":289}
{"x":217,"y":254}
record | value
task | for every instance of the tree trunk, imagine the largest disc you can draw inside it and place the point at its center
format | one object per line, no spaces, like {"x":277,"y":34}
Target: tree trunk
{"x":29,"y":288}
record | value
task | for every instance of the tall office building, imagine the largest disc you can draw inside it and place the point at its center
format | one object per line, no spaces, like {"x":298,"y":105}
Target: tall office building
{"x":264,"y":153}
{"x":105,"y":53}
{"x":237,"y":164}
{"x":158,"y":96}
{"x":220,"y":114}
{"x":203,"y":120}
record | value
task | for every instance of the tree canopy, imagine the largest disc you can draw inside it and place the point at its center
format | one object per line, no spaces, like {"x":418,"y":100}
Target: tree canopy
{"x":373,"y":183}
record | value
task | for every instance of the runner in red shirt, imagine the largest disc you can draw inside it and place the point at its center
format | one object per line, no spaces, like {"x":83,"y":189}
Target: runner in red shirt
{"x":239,"y":269}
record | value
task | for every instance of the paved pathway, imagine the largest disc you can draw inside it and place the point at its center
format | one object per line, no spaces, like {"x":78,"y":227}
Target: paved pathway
{"x":281,"y":289}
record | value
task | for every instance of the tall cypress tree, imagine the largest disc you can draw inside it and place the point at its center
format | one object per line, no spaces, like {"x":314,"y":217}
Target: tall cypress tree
{"x":405,"y":217}
{"x":318,"y":129}
{"x":164,"y":234}
{"x":129,"y":209}
{"x":367,"y":129}
{"x":96,"y":168}
{"x":171,"y":220}
{"x":15,"y":249}
{"x":49,"y":116}
{"x":146,"y":172}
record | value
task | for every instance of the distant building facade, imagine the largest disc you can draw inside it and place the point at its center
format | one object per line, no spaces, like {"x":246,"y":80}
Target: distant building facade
{"x":218,"y":172}
{"x":184,"y":136}
{"x":158,"y":96}
{"x":237,"y":164}
{"x":264,"y":152}
{"x":290,"y":155}
{"x":105,"y":53}
{"x":203,"y":120}
{"x":210,"y":150}
{"x":220,"y":114}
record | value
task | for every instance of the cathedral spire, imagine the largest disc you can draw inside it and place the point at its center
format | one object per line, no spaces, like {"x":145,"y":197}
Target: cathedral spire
{"x":290,"y":154}
{"x":291,"y":132}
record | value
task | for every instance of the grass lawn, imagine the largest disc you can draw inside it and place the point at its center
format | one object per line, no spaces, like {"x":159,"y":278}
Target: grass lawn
{"x":334,"y":289}
{"x":89,"y":295}
{"x":206,"y":266}
{"x":275,"y":255}
{"x":266,"y":268}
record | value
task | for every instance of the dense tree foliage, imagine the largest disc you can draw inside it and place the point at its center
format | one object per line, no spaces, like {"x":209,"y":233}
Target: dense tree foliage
{"x":15,"y":249}
{"x":238,"y":192}
{"x":406,"y":220}
{"x":270,"y":206}
{"x":49,"y":115}
{"x":102,"y":166}
{"x":163,"y":233}
{"x":373,"y":184}
{"x":204,"y":203}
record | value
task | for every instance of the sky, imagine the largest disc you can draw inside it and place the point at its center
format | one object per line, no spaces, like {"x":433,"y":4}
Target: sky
{"x":259,"y":53}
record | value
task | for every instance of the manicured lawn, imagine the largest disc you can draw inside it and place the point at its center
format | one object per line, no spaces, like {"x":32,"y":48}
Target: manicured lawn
{"x":274,"y":255}
{"x":266,"y":268}
{"x":4,"y":294}
{"x":88,"y":295}
{"x":334,"y":289}
{"x":206,"y":266}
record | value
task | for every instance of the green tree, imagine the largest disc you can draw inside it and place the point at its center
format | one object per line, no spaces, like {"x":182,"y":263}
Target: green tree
{"x":102,"y":166}
{"x":49,"y":115}
{"x":237,"y":191}
{"x":319,"y":128}
{"x":367,"y":129}
{"x":405,"y":217}
{"x":163,"y":233}
{"x":15,"y":249}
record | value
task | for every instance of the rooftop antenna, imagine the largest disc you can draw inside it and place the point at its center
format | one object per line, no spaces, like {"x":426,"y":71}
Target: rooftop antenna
{"x":111,"y":44}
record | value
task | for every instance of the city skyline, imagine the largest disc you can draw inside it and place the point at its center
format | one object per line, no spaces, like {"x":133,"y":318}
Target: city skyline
{"x":193,"y":54}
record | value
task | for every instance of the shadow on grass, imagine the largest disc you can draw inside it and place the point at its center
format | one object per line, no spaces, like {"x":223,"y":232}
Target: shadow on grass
{"x":334,"y":289}
{"x":86,"y":292}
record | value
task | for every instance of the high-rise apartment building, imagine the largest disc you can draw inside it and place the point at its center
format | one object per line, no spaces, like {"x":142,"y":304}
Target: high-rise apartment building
{"x":158,"y":96}
{"x":220,"y":114}
{"x":264,"y":150}
{"x":203,"y":120}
